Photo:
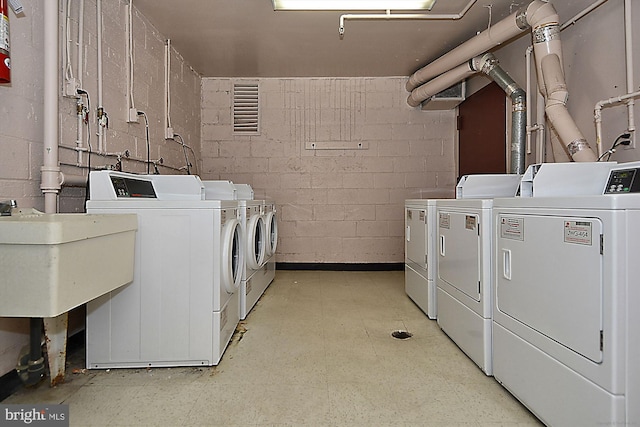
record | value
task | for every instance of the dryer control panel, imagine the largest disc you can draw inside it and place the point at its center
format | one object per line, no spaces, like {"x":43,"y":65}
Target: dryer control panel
{"x":623,"y":181}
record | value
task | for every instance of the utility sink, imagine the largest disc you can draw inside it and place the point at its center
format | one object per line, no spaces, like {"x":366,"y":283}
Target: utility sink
{"x":52,"y":263}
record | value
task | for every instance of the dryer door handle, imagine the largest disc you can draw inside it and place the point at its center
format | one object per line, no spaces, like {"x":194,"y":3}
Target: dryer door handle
{"x":442,"y":246}
{"x":506,"y":264}
{"x":408,"y":233}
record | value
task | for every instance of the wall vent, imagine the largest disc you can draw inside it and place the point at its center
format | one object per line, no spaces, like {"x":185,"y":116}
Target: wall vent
{"x":246,"y":108}
{"x":447,"y":99}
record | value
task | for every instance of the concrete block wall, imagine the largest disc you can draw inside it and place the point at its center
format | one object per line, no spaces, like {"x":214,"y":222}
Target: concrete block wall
{"x":21,"y":113}
{"x":344,"y":204}
{"x":148,"y":96}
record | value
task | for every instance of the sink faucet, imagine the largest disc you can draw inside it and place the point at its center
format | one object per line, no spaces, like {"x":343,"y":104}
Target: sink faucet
{"x":6,"y":206}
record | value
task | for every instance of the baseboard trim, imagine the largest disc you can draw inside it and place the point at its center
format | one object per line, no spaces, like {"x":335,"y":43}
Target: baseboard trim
{"x":9,"y":384}
{"x":339,"y":266}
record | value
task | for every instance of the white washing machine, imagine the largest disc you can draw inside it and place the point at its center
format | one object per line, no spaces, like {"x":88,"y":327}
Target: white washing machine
{"x":464,"y":296}
{"x":420,"y":261}
{"x":255,"y":240}
{"x":270,"y":215}
{"x":566,"y":324}
{"x":182,"y":307}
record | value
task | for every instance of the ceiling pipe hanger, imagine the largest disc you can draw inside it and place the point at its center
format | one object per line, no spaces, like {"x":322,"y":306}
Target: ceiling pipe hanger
{"x":416,"y":16}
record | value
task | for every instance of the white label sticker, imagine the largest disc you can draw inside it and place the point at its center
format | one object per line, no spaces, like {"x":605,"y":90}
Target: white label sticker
{"x":512,"y":228}
{"x":578,"y":232}
{"x":444,"y":220}
{"x":4,"y":33}
{"x":470,"y":222}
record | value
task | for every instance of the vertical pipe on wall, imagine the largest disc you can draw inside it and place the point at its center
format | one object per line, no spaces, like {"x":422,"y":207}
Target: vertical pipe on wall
{"x":80,"y":56}
{"x":100,"y":110}
{"x":50,"y":185}
{"x":628,"y":31}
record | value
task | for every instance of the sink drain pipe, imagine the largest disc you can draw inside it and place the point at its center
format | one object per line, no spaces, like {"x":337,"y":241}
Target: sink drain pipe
{"x":30,"y":367}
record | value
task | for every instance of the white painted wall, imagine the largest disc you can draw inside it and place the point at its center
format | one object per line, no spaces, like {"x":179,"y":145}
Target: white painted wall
{"x":21,"y":110}
{"x":337,"y":205}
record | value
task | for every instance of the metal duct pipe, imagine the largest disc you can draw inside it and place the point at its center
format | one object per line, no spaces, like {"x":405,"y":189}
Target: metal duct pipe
{"x":492,"y":69}
{"x":544,"y":21}
{"x":487,"y":64}
{"x":511,"y":26}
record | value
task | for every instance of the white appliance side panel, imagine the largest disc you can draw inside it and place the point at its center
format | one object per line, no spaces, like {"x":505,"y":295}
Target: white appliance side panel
{"x":633,"y":319}
{"x":556,"y":394}
{"x":416,"y":286}
{"x":459,"y":251}
{"x":549,"y":277}
{"x":164,"y":316}
{"x":416,"y":236}
{"x":432,"y":243}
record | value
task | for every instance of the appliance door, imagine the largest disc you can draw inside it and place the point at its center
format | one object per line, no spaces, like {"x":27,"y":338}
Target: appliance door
{"x":416,"y":236}
{"x":549,"y":277}
{"x":271,"y":223}
{"x":256,"y":242}
{"x":231,"y":256}
{"x":459,"y":251}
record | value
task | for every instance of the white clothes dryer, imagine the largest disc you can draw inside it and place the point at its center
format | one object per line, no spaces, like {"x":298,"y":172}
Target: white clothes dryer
{"x":464,"y":293}
{"x":420,"y":261}
{"x":464,"y":276}
{"x":566,"y":322}
{"x":182,"y":307}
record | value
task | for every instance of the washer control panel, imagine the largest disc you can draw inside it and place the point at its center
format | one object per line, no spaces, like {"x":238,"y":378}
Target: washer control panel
{"x":128,"y":187}
{"x":623,"y":181}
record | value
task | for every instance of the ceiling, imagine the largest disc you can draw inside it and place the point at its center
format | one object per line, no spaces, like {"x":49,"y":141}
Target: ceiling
{"x":247,"y":38}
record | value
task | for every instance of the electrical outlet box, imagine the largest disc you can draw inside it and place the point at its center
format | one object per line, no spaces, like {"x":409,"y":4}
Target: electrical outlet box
{"x":133,"y":116}
{"x":71,"y":87}
{"x":633,"y":141}
{"x":168,"y":133}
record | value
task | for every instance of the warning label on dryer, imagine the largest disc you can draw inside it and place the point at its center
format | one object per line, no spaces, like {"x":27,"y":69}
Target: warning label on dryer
{"x":444,"y":220}
{"x":512,"y":228}
{"x":578,"y":232}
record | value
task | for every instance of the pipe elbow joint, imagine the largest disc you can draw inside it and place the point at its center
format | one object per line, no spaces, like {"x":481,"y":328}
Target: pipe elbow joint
{"x":540,"y":13}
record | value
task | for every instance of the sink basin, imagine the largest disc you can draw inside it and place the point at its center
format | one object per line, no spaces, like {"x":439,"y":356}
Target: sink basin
{"x":52,"y":263}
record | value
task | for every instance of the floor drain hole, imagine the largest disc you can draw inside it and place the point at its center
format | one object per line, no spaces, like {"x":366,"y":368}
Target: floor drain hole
{"x":401,"y":335}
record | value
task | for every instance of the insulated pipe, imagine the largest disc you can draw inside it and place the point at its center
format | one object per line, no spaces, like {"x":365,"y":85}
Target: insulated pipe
{"x":509,"y":27}
{"x":558,"y":114}
{"x":490,"y":67}
{"x":50,"y":184}
{"x":425,"y":92}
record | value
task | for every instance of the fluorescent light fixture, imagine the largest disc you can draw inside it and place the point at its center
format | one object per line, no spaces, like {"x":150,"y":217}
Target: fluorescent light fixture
{"x":353,"y":4}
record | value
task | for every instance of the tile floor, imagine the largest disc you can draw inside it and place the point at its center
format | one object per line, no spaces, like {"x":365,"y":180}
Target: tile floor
{"x":315,"y":351}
